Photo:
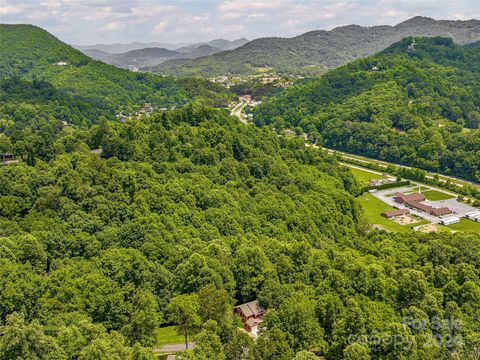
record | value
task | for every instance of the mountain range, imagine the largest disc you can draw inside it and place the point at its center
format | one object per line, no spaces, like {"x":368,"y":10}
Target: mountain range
{"x":151,"y":54}
{"x":315,"y":51}
{"x":140,"y":58}
{"x":180,"y":47}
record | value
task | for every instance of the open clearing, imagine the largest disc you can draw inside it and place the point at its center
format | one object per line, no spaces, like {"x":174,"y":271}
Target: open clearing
{"x":167,"y":335}
{"x":364,"y":176}
{"x":373,"y":208}
{"x":429,"y":228}
{"x":435,"y":195}
{"x":417,"y":189}
{"x":465,"y":225}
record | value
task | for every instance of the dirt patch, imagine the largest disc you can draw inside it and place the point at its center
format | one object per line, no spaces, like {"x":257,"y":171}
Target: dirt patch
{"x":428,"y":228}
{"x":379,"y":227}
{"x":405,"y":220}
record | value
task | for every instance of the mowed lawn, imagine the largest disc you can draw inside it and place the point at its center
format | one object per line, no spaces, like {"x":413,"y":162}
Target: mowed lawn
{"x":364,"y":176}
{"x":373,"y":208}
{"x":168,"y":335}
{"x":435,"y":195}
{"x":465,"y":225}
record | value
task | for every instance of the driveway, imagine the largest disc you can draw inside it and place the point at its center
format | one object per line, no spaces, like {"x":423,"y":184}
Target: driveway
{"x":171,"y":348}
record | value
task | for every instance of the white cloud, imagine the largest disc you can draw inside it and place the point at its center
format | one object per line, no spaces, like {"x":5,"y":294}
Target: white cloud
{"x":140,"y":10}
{"x":160,"y":27}
{"x":233,"y":28}
{"x":113,"y":26}
{"x":11,"y":9}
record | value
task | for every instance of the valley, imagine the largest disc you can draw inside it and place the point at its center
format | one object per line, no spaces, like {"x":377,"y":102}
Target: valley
{"x":374,"y":203}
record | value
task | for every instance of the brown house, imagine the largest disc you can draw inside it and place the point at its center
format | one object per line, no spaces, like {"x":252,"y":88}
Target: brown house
{"x":429,"y":209}
{"x":406,"y":198}
{"x":441,"y":211}
{"x":251,"y":314}
{"x":395,"y":213}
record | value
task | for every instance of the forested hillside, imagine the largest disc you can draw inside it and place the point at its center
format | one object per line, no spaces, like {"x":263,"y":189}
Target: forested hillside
{"x":110,"y":229}
{"x":30,"y":54}
{"x":190,"y":209}
{"x":415,"y":104}
{"x":314,"y":52}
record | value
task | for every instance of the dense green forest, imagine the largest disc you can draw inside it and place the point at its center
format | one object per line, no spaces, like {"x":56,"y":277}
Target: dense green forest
{"x":178,"y":216}
{"x":189,"y":209}
{"x":417,"y":105}
{"x":31,"y":54}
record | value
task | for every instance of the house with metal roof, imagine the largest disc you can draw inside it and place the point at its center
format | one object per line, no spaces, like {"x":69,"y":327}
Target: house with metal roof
{"x":251,"y":314}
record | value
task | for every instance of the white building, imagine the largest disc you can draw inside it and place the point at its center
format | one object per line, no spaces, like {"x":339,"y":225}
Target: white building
{"x":472,"y":214}
{"x":450,"y":220}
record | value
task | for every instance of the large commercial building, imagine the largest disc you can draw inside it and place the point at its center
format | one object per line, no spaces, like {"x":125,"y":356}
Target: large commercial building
{"x":415,"y":201}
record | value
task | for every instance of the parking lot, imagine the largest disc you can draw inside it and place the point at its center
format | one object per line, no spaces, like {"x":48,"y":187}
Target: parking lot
{"x":458,"y":208}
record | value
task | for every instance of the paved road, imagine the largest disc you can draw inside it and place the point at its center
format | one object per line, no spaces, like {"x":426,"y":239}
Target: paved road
{"x":429,"y":175}
{"x":171,"y":348}
{"x":430,"y":187}
{"x":237,"y":111}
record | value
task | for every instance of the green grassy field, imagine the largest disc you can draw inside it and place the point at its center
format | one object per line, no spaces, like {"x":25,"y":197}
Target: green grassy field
{"x":167,"y":335}
{"x":416,"y":188}
{"x":364,"y":176}
{"x":435,"y":195}
{"x":465,"y":225}
{"x":373,"y":208}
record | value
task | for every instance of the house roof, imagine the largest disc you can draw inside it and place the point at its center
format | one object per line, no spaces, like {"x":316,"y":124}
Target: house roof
{"x":409,"y":197}
{"x":397,"y":212}
{"x":253,"y":322}
{"x":252,"y":308}
{"x":420,"y":206}
{"x":430,"y":209}
{"x":441,"y":211}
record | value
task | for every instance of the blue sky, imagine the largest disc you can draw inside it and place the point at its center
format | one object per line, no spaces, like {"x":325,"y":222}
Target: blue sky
{"x":123,"y":21}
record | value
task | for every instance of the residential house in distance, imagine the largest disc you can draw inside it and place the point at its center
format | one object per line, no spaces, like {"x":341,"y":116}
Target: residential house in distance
{"x":378,"y":182}
{"x":7,"y":158}
{"x":251,"y":314}
{"x":394,"y":213}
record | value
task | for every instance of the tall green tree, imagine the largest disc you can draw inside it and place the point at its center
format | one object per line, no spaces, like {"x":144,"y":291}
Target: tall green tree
{"x":183,"y":311}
